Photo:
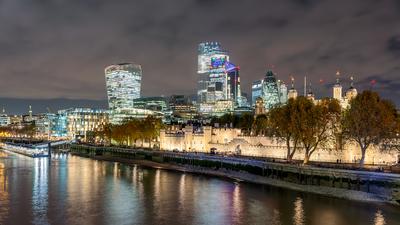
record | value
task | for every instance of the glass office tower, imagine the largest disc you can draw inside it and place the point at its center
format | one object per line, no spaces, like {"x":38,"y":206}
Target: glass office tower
{"x":212,"y":82}
{"x":271,"y":91}
{"x":123,"y":82}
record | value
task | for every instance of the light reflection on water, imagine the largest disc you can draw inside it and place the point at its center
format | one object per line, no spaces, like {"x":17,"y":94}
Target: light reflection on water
{"x":4,"y":197}
{"x":74,"y":190}
{"x":379,"y":218}
{"x":298,"y":217}
{"x":40,"y":191}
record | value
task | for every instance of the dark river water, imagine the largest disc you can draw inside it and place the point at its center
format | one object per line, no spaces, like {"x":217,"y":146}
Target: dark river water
{"x":74,"y":190}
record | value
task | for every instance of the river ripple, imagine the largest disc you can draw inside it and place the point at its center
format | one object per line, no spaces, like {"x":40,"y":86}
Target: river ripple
{"x":75,"y":190}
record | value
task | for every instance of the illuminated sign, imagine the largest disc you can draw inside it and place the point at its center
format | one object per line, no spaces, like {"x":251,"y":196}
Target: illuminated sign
{"x":217,"y":62}
{"x":229,"y":67}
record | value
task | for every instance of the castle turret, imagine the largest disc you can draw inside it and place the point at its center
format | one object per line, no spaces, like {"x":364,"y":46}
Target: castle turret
{"x":292,"y":93}
{"x":337,"y":88}
{"x":351,"y":92}
{"x":259,"y":106}
{"x":310,"y":94}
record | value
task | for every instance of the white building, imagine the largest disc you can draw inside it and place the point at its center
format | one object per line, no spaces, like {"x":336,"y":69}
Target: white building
{"x":4,"y":119}
{"x":78,"y":121}
{"x":338,"y":93}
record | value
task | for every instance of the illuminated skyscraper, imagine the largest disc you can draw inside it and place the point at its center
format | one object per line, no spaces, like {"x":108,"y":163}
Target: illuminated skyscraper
{"x":219,"y":82}
{"x":256,"y":91}
{"x":234,"y":91}
{"x":283,"y":92}
{"x":123,"y":82}
{"x":271,"y":94}
{"x":213,"y":82}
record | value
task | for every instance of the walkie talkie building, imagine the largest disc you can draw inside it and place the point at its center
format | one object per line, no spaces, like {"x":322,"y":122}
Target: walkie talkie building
{"x":123,"y":82}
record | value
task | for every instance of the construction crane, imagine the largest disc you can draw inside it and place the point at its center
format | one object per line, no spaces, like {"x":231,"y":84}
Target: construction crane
{"x":48,"y":110}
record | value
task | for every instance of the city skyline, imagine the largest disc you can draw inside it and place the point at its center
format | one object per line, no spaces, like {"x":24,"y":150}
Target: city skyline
{"x":358,"y":39}
{"x":200,"y":112}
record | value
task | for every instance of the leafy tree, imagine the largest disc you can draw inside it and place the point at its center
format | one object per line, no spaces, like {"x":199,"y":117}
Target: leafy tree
{"x":317,"y":125}
{"x":369,"y":120}
{"x":282,"y":121}
{"x":260,"y":125}
{"x":245,"y":122}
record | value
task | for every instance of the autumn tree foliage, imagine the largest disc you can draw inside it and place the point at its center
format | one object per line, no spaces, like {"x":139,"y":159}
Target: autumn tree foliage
{"x":302,"y":123}
{"x":317,"y":125}
{"x":131,"y":131}
{"x":281,"y":122}
{"x":370,"y":120}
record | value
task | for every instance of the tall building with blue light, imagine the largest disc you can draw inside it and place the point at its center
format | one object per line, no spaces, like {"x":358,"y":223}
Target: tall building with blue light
{"x":212,"y":82}
{"x":234,"y":91}
{"x":219,"y":82}
{"x":256,"y":91}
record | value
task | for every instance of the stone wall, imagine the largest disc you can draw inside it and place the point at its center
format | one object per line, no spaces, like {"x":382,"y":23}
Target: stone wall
{"x":228,"y":140}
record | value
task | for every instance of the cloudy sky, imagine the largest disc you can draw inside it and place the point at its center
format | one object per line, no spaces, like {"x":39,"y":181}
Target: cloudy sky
{"x":57,"y":49}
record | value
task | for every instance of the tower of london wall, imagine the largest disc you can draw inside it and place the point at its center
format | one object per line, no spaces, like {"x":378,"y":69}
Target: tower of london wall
{"x":230,"y":140}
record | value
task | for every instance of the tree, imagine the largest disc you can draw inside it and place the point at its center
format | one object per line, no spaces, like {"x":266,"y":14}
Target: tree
{"x":281,"y":122}
{"x":106,"y":133}
{"x":245,"y":122}
{"x":119,"y":134}
{"x":152,"y":127}
{"x":260,"y":125}
{"x":369,"y":120}
{"x":317,"y":125}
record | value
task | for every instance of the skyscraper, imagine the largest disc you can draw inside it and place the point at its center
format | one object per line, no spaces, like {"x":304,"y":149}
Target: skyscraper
{"x":234,"y":91}
{"x":219,"y":82}
{"x":123,"y":82}
{"x":271,"y":93}
{"x":212,"y":83}
{"x":283,"y":92}
{"x":256,"y":90}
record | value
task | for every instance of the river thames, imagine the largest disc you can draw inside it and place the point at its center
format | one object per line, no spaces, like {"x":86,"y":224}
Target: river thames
{"x":75,"y":190}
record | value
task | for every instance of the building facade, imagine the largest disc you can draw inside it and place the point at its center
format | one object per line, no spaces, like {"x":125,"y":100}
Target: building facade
{"x":182,"y":108}
{"x":219,"y":81}
{"x":123,"y":83}
{"x":211,"y":79}
{"x":4,"y":119}
{"x":75,"y":123}
{"x":337,"y":92}
{"x":273,"y":92}
{"x":152,"y":103}
{"x":256,"y":91}
{"x":229,"y":140}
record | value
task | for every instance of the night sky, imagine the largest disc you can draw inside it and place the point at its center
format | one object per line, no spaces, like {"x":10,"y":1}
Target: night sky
{"x":57,"y":49}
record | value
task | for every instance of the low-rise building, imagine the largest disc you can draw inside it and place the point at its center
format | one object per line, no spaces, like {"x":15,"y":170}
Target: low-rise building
{"x":74,"y":123}
{"x":4,"y":120}
{"x":120,"y":115}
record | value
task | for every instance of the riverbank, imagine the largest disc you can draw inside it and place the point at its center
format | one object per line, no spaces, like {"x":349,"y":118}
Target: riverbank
{"x":243,"y":176}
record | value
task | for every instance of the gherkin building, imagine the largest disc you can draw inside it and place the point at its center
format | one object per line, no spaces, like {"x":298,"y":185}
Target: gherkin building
{"x":271,"y":94}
